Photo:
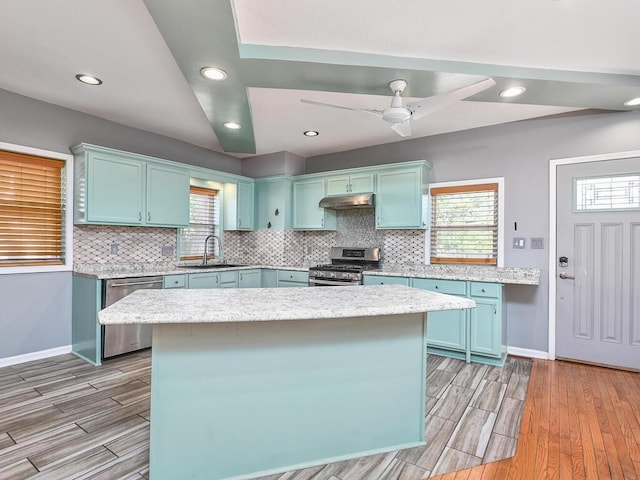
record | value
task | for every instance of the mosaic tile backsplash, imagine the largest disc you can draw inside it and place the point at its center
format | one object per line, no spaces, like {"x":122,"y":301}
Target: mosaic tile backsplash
{"x":355,"y":228}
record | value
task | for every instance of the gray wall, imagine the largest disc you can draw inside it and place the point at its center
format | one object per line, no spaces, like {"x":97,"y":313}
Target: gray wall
{"x":35,"y":312}
{"x":279,"y":163}
{"x":32,"y":123}
{"x":519,"y":152}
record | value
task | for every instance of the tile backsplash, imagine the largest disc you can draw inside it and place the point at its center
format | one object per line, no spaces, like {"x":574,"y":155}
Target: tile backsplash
{"x":355,"y":228}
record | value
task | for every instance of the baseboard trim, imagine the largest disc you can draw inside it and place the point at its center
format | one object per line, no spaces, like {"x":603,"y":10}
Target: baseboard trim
{"x":527,"y":352}
{"x":29,"y":357}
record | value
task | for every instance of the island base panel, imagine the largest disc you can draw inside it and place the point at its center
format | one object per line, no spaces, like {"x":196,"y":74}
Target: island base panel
{"x":239,"y":400}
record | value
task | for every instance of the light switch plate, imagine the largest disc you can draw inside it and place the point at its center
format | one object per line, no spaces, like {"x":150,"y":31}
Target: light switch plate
{"x":519,"y":242}
{"x":537,"y":242}
{"x":114,"y":249}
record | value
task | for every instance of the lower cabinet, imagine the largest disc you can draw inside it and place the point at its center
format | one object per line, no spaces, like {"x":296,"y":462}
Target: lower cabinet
{"x":293,"y":278}
{"x":478,"y":334}
{"x":213,"y":280}
{"x":250,"y":278}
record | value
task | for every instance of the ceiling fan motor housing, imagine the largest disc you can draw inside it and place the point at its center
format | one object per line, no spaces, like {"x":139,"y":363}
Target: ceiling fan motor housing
{"x":396,"y":114}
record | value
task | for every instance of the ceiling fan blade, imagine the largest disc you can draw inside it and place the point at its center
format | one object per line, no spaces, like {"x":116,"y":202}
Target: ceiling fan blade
{"x":377,"y":113}
{"x":430,"y":104}
{"x":403,"y":129}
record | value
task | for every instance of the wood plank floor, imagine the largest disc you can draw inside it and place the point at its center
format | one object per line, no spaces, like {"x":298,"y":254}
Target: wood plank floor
{"x":580,"y":422}
{"x":63,"y":419}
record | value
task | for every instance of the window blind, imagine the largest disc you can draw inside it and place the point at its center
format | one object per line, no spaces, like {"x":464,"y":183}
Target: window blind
{"x":204,"y":219}
{"x":464,"y":224}
{"x":32,"y":206}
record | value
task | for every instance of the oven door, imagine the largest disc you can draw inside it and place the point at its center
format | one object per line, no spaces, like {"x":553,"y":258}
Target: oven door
{"x":325,"y":282}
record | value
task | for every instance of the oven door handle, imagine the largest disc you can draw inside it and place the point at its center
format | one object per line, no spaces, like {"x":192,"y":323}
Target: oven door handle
{"x":319,"y":283}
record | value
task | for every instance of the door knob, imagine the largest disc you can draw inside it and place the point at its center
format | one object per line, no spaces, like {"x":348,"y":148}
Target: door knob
{"x":564,"y":276}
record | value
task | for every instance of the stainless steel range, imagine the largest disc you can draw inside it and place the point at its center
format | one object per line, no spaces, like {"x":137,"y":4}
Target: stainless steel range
{"x":346,"y":267}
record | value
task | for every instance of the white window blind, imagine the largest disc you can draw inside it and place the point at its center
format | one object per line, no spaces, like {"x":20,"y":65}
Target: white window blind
{"x":464,"y":224}
{"x":32,"y":210}
{"x":204,"y":220}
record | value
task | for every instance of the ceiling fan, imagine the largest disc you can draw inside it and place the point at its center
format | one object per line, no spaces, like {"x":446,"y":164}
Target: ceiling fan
{"x":399,"y":115}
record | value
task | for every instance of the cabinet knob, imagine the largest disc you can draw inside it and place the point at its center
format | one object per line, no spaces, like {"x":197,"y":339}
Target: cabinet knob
{"x":175,"y":282}
{"x":483,"y":290}
{"x":437,"y":287}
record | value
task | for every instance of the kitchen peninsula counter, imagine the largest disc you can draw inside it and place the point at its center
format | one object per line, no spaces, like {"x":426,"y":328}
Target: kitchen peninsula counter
{"x":252,"y":382}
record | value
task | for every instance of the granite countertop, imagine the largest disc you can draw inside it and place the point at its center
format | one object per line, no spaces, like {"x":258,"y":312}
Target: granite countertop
{"x":507,"y":275}
{"x":246,"y":305}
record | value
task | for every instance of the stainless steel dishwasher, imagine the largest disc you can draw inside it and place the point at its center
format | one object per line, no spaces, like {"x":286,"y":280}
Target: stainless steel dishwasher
{"x":119,"y":339}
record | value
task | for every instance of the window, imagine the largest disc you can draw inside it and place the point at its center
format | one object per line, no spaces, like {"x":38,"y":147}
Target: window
{"x":464,"y":223}
{"x":204,"y":220}
{"x":621,"y":192}
{"x":32,"y":210}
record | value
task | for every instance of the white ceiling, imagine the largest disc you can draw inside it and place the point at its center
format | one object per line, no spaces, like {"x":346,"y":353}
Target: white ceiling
{"x":548,"y":45}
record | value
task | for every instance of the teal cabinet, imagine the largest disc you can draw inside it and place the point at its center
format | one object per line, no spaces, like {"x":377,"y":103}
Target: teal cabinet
{"x":174,"y":281}
{"x":269,"y":278}
{"x":446,"y":329}
{"x":227,"y":279}
{"x":274,"y":197}
{"x":385,"y":280}
{"x":119,"y":188}
{"x":487,"y":327}
{"x":167,"y":196}
{"x":245,"y":205}
{"x":238,"y":205}
{"x":399,"y":197}
{"x":362,"y":182}
{"x":307,"y":215}
{"x":293,"y":278}
{"x":249,"y":279}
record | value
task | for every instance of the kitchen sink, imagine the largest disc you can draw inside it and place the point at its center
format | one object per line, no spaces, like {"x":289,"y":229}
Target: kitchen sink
{"x":212,"y":266}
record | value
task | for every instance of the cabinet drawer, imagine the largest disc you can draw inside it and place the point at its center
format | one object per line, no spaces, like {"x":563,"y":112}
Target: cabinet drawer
{"x":175,"y":281}
{"x":228,"y":277}
{"x":483,"y":289}
{"x":385,"y":280}
{"x":451,"y":287}
{"x":293,"y":276}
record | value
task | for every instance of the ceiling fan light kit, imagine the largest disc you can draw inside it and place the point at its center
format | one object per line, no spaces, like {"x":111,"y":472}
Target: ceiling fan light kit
{"x":400,"y":115}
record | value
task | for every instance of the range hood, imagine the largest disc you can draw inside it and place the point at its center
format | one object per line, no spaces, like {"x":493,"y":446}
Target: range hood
{"x":343,"y":202}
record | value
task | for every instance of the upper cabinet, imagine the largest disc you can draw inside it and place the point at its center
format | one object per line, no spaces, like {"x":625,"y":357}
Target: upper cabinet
{"x":307,"y":215}
{"x":238,"y":206}
{"x":363,"y":182}
{"x":274,"y":203}
{"x":399,"y":194}
{"x":119,"y":188}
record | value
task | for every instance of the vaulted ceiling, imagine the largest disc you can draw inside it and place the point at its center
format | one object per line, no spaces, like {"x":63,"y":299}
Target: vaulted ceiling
{"x":569,"y":55}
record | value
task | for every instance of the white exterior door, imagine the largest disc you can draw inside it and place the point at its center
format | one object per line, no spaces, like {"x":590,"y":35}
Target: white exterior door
{"x":598,"y":290}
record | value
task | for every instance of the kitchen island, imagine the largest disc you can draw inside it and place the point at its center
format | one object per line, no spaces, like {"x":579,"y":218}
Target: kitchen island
{"x":252,"y":382}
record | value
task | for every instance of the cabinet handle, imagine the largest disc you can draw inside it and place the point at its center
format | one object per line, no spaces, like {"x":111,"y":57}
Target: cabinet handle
{"x":239,"y":222}
{"x":139,"y":216}
{"x":322,"y":222}
{"x":148,"y":216}
{"x":347,"y":187}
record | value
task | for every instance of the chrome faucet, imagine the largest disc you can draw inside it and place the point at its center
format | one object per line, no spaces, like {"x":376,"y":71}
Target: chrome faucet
{"x":206,"y":240}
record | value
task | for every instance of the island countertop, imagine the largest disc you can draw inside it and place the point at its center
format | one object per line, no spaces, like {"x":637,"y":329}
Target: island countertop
{"x":269,"y":304}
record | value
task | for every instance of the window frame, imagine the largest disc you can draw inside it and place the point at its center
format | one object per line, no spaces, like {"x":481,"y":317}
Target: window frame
{"x":197,"y":185}
{"x":68,"y":218}
{"x":468,"y":183}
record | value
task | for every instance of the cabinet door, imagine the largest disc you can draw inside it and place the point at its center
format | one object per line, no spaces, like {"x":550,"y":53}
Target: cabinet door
{"x":249,"y":279}
{"x":447,"y":329}
{"x":273,"y":205}
{"x":361,"y":183}
{"x":486,"y":327}
{"x":204,"y":280}
{"x":167,"y":197}
{"x":269,"y":278}
{"x":338,"y":185}
{"x":114,"y":190}
{"x":245,"y":205}
{"x":399,"y":198}
{"x":384,"y":280}
{"x":307,"y":215}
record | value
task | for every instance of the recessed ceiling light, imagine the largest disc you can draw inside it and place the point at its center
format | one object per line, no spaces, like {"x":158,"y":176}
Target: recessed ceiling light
{"x":633,"y":102}
{"x":232,"y":125}
{"x":311,"y":133}
{"x":88,"y":79}
{"x":213,"y":73}
{"x":512,"y":92}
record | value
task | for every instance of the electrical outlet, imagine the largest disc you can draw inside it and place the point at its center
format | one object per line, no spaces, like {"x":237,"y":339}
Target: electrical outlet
{"x":519,"y":242}
{"x":114,"y":249}
{"x":537,"y":242}
{"x":168,"y":251}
